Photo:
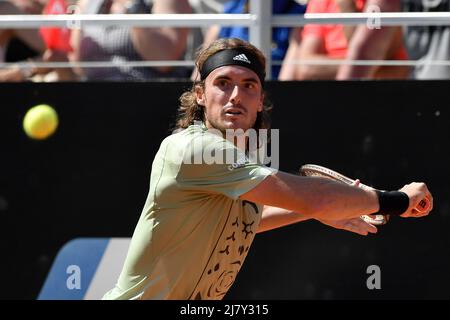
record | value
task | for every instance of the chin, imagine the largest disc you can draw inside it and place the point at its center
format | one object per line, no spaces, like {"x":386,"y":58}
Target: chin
{"x":243,"y":124}
{"x":236,"y":126}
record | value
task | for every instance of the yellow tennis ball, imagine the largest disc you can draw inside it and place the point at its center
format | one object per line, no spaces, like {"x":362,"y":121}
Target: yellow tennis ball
{"x":40,"y":122}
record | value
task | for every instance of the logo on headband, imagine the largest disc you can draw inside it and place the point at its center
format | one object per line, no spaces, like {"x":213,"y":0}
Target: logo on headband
{"x":242,"y":57}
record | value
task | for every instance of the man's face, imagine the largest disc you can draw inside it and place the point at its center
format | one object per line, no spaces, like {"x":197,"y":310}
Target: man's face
{"x":232,"y":97}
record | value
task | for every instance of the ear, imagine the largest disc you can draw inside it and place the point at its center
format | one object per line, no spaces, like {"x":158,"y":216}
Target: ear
{"x":200,"y":95}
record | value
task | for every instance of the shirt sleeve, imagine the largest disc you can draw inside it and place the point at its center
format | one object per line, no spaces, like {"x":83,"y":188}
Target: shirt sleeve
{"x":210,"y":170}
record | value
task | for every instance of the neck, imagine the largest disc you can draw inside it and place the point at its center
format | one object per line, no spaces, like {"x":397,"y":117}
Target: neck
{"x":240,"y":141}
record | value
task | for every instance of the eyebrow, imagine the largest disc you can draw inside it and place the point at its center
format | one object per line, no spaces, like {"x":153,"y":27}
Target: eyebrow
{"x":225,"y":77}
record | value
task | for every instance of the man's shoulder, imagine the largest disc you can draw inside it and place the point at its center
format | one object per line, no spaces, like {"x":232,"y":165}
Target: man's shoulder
{"x":193,"y":133}
{"x":194,"y":143}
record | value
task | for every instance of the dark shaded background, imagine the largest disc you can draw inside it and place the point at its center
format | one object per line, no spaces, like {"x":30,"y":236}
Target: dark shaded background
{"x":91,"y":180}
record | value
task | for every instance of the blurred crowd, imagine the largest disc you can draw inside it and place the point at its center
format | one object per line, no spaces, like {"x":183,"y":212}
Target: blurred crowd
{"x":297,"y":52}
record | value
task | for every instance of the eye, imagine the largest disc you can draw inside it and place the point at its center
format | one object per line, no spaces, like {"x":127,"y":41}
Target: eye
{"x":222,"y":83}
{"x":250,"y":85}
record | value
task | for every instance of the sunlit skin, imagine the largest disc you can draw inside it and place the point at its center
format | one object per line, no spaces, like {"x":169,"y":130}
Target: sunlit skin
{"x":232,"y":98}
{"x":30,"y":6}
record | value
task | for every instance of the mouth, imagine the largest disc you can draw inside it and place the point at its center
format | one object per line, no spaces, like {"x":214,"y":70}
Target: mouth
{"x":234,"y":112}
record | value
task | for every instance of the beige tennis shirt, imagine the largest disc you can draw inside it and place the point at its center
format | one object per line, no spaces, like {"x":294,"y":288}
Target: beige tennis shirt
{"x":194,"y":232}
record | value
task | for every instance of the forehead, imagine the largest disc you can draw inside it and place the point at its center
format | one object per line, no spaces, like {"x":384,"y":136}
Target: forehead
{"x":233,"y":72}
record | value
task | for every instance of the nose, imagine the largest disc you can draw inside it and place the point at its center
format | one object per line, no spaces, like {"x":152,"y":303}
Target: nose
{"x":235,"y":95}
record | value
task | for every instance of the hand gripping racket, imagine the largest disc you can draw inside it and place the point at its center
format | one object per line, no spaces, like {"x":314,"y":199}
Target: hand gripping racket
{"x":319,"y":171}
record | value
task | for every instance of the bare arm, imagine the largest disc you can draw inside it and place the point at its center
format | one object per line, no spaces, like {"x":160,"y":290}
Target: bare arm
{"x":30,"y":36}
{"x":211,"y":35}
{"x":273,"y":218}
{"x":11,"y":75}
{"x":75,"y":40}
{"x":288,"y":69}
{"x":150,"y":43}
{"x":370,"y":44}
{"x":163,"y":43}
{"x":314,"y":197}
{"x":332,"y":203}
{"x":347,"y":6}
{"x":313,"y":48}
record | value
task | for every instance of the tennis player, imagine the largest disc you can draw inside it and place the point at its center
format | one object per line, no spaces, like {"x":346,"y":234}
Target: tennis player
{"x":203,"y":211}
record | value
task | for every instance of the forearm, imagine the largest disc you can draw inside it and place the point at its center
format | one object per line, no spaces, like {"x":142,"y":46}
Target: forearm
{"x":330,"y":200}
{"x":366,"y":44}
{"x":314,"y":197}
{"x":171,"y":42}
{"x":316,"y":71}
{"x":347,"y":6}
{"x":289,"y":66}
{"x":370,"y":43}
{"x":30,"y":36}
{"x":11,"y":75}
{"x":273,"y":218}
{"x":159,"y":43}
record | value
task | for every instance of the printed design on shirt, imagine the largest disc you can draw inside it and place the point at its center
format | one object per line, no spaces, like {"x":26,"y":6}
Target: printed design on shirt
{"x":247,"y":228}
{"x":224,"y":282}
{"x":226,"y":251}
{"x":231,"y":237}
{"x":238,"y":262}
{"x":229,"y":254}
{"x":241,"y":250}
{"x":216,"y":267}
{"x":253,"y":205}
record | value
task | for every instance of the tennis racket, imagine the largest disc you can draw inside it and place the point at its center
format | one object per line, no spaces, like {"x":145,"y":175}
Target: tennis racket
{"x":311,"y":170}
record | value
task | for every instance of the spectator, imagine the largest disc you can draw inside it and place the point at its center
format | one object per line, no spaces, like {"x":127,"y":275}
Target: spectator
{"x":123,"y":43}
{"x":335,"y":42}
{"x":33,"y":45}
{"x":428,"y":43}
{"x":197,"y":35}
{"x":19,"y":44}
{"x":288,"y":70}
{"x":280,"y":36}
{"x":58,"y":48}
{"x":376,"y":44}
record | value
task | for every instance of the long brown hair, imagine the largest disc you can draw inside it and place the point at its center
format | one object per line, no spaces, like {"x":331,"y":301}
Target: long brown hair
{"x":189,"y":111}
